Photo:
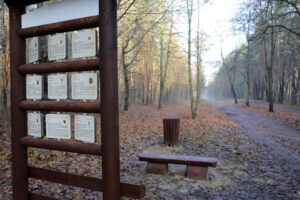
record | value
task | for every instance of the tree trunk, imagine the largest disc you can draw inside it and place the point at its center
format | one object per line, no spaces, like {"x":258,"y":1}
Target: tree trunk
{"x":5,"y":63}
{"x":234,"y":94}
{"x":190,"y":12}
{"x":164,"y":68}
{"x":281,"y":90}
{"x":248,"y":74}
{"x":126,"y":81}
{"x":269,"y":66}
{"x":263,"y":89}
{"x":199,"y":66}
{"x":126,"y":87}
{"x":295,"y":77}
{"x":148,"y":71}
{"x":161,"y":81}
{"x":270,"y":86}
{"x":295,"y":84}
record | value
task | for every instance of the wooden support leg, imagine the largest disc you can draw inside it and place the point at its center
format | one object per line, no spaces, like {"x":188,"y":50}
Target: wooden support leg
{"x":18,"y":116}
{"x":157,"y":168}
{"x":108,"y":66}
{"x":196,"y":172}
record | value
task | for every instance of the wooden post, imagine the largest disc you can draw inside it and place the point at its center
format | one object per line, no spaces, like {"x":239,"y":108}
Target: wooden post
{"x":171,"y":130}
{"x":18,"y":116}
{"x":109,"y":99}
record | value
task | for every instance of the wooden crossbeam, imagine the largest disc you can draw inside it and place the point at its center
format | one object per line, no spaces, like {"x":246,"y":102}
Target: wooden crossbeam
{"x":95,"y":184}
{"x":53,"y":67}
{"x":34,"y":196}
{"x":61,"y":106}
{"x":60,"y":27}
{"x":62,"y":145}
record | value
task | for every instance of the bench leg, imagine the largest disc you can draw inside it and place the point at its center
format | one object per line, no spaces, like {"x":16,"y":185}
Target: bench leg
{"x":157,"y":168}
{"x":196,"y":172}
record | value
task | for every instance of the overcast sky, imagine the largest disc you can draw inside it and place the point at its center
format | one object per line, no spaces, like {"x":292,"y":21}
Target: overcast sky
{"x":215,"y":19}
{"x":216,"y":23}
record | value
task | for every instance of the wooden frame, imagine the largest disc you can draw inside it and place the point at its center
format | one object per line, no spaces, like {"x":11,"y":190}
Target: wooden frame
{"x":108,"y":65}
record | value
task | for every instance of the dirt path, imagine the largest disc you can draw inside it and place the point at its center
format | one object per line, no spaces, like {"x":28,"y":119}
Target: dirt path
{"x":277,"y":107}
{"x":278,"y":140}
{"x":282,"y":140}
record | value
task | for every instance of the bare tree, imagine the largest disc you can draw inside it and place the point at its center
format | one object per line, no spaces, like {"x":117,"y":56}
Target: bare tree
{"x":230,"y":69}
{"x":164,"y":66}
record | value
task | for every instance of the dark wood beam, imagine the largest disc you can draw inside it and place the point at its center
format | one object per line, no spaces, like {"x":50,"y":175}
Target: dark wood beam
{"x":62,"y":145}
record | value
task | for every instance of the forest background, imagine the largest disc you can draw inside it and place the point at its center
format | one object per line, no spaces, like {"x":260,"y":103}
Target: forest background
{"x":161,"y":64}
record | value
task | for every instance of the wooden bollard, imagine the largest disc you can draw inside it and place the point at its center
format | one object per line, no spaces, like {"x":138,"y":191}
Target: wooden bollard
{"x":171,"y":130}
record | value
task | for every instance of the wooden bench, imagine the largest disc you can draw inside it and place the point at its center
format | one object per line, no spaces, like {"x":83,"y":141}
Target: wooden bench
{"x":197,"y":167}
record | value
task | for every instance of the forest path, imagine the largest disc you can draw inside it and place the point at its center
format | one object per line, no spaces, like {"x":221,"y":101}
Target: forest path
{"x":295,"y":109}
{"x":280,"y":140}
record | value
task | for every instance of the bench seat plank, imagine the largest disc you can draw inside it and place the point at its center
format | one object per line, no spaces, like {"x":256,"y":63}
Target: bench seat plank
{"x":179,"y":159}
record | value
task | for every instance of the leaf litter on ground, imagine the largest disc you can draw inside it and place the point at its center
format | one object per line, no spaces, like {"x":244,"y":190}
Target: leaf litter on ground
{"x":212,"y":134}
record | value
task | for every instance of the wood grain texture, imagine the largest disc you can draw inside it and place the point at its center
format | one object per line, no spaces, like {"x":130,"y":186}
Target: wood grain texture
{"x":96,"y":184}
{"x":62,"y":145}
{"x":60,"y":27}
{"x":61,"y":106}
{"x":53,"y":67}
{"x":179,"y":159}
{"x":171,"y":130}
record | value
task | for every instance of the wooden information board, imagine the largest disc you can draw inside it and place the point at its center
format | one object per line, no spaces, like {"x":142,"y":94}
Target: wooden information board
{"x":107,"y":63}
